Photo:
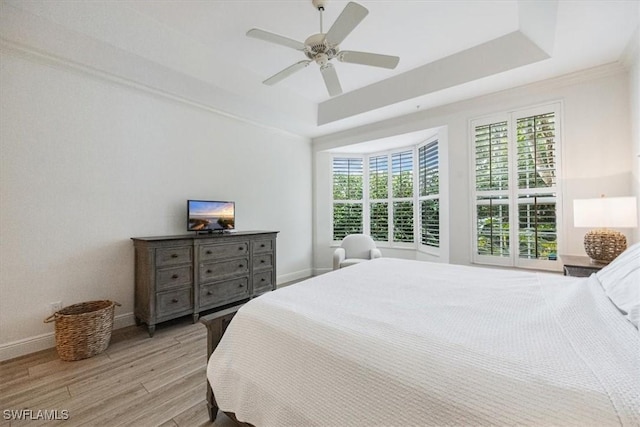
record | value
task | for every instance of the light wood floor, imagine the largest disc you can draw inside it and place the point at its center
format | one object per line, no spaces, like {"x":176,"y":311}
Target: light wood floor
{"x":138,"y":381}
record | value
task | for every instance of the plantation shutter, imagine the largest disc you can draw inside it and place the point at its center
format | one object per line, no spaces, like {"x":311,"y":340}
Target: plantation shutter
{"x":428,"y":194}
{"x":347,"y":197}
{"x":492,"y":183}
{"x":347,"y":179}
{"x":428,"y":169}
{"x":402,"y":174}
{"x":492,"y":159}
{"x":536,"y":165}
{"x":516,"y":197}
{"x":378,"y":196}
{"x":430,"y":222}
{"x":493,"y":234}
{"x":402,"y":189}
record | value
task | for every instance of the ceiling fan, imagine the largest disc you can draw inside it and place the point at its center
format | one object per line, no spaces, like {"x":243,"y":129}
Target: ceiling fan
{"x":321,"y":48}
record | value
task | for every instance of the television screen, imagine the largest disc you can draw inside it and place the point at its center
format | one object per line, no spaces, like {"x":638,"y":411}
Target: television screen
{"x":209,"y":215}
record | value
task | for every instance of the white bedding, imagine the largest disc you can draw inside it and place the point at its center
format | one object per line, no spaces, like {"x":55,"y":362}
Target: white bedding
{"x":398,"y":343}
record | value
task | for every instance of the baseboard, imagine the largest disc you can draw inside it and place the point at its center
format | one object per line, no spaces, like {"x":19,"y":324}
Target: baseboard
{"x":42,"y":342}
{"x":26,"y":346}
{"x":124,"y":320}
{"x":319,"y":271}
{"x":291,"y":277}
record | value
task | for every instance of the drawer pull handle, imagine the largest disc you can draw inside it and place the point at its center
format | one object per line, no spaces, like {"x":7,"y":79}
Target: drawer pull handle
{"x":174,"y":255}
{"x":262,"y":280}
{"x":261,"y":261}
{"x":209,"y":271}
{"x":209,"y":293}
{"x":240,"y":266}
{"x":240,"y":285}
{"x":241,"y":248}
{"x":209,"y":252}
{"x":174,"y":300}
{"x":175,"y":276}
{"x":262,"y":245}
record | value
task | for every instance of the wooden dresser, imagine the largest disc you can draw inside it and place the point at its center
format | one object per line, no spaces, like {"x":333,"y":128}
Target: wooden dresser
{"x":187,"y":274}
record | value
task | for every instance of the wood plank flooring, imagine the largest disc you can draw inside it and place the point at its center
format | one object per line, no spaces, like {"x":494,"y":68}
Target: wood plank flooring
{"x":137,"y":381}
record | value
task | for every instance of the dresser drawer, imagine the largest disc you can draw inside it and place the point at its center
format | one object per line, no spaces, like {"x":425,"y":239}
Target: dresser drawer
{"x":262,"y":282}
{"x":222,"y":292}
{"x":171,"y":302}
{"x":173,"y":277}
{"x":263,"y":261}
{"x":262,"y":246}
{"x":173,"y":256}
{"x":217,"y":270}
{"x":213,"y":252}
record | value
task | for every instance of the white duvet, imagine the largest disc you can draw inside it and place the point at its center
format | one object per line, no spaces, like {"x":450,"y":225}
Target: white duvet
{"x":406,"y":343}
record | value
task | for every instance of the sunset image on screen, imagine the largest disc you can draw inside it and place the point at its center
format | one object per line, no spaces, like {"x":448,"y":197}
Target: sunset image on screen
{"x":209,"y":215}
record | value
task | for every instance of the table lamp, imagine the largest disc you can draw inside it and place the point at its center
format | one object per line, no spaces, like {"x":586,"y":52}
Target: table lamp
{"x":601,"y":244}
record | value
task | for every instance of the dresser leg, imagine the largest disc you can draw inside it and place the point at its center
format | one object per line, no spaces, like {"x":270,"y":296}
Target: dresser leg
{"x":196,"y":316}
{"x":151,"y":329}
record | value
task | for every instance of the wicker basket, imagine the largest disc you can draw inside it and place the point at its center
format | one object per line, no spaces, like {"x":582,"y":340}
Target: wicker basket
{"x":83,"y":330}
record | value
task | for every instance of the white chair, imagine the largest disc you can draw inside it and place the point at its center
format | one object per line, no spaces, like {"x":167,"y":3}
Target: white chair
{"x":355,"y":248}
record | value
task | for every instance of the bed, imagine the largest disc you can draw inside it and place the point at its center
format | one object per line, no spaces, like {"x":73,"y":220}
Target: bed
{"x":395,"y":342}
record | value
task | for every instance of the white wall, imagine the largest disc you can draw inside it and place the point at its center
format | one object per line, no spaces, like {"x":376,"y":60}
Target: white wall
{"x":596,"y":148}
{"x":86,"y":163}
{"x":633,"y":62}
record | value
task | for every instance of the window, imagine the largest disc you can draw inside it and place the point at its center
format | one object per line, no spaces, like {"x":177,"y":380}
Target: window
{"x":515,"y":198}
{"x":402,"y":189}
{"x":397,"y":202}
{"x":536,"y":166}
{"x":347,"y":197}
{"x":378,"y":198}
{"x":429,"y":194}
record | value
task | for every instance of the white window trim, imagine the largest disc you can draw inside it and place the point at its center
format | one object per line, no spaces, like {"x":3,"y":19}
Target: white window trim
{"x":514,"y":260}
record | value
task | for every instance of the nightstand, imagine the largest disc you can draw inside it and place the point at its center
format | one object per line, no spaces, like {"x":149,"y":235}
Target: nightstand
{"x":579,"y":266}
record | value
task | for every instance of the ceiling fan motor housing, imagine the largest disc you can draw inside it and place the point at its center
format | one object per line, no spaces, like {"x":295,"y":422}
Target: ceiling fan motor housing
{"x":316,"y":44}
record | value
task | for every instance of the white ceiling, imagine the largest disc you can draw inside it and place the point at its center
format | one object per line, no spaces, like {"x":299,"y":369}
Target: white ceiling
{"x":206,"y":40}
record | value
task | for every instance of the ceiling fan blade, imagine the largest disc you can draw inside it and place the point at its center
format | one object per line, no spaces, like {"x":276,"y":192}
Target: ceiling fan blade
{"x":349,"y":19}
{"x":331,"y":79}
{"x":275,"y":38}
{"x":365,"y":58}
{"x":286,"y":72}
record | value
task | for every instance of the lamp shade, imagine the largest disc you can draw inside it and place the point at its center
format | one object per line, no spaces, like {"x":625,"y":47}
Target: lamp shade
{"x":603,"y":212}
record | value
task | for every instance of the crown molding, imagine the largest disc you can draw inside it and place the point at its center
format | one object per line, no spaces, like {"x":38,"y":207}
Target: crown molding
{"x":425,"y":118}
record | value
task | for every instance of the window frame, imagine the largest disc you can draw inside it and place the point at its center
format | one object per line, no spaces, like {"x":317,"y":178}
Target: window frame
{"x":513,"y":192}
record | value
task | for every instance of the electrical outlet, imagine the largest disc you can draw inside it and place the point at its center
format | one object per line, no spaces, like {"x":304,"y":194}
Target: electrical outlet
{"x":55,"y":306}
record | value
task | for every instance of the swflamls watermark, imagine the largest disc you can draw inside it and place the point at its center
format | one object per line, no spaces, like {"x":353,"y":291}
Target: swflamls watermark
{"x":35,"y":414}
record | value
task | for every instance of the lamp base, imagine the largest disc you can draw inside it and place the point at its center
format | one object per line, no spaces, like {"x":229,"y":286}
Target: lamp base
{"x":604,"y":245}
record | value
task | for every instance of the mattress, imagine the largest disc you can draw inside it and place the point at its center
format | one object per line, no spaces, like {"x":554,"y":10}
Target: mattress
{"x":393,"y":342}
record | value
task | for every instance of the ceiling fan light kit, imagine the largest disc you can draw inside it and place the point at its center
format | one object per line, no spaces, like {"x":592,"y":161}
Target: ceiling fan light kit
{"x":323,"y":47}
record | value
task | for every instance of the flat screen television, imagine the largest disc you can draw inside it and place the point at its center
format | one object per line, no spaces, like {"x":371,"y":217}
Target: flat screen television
{"x":210,"y":215}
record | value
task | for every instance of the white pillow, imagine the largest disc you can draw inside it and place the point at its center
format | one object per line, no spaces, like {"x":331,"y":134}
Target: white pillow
{"x":621,"y":282}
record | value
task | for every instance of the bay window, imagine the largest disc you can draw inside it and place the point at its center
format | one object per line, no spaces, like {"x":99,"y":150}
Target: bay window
{"x":392,"y":196}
